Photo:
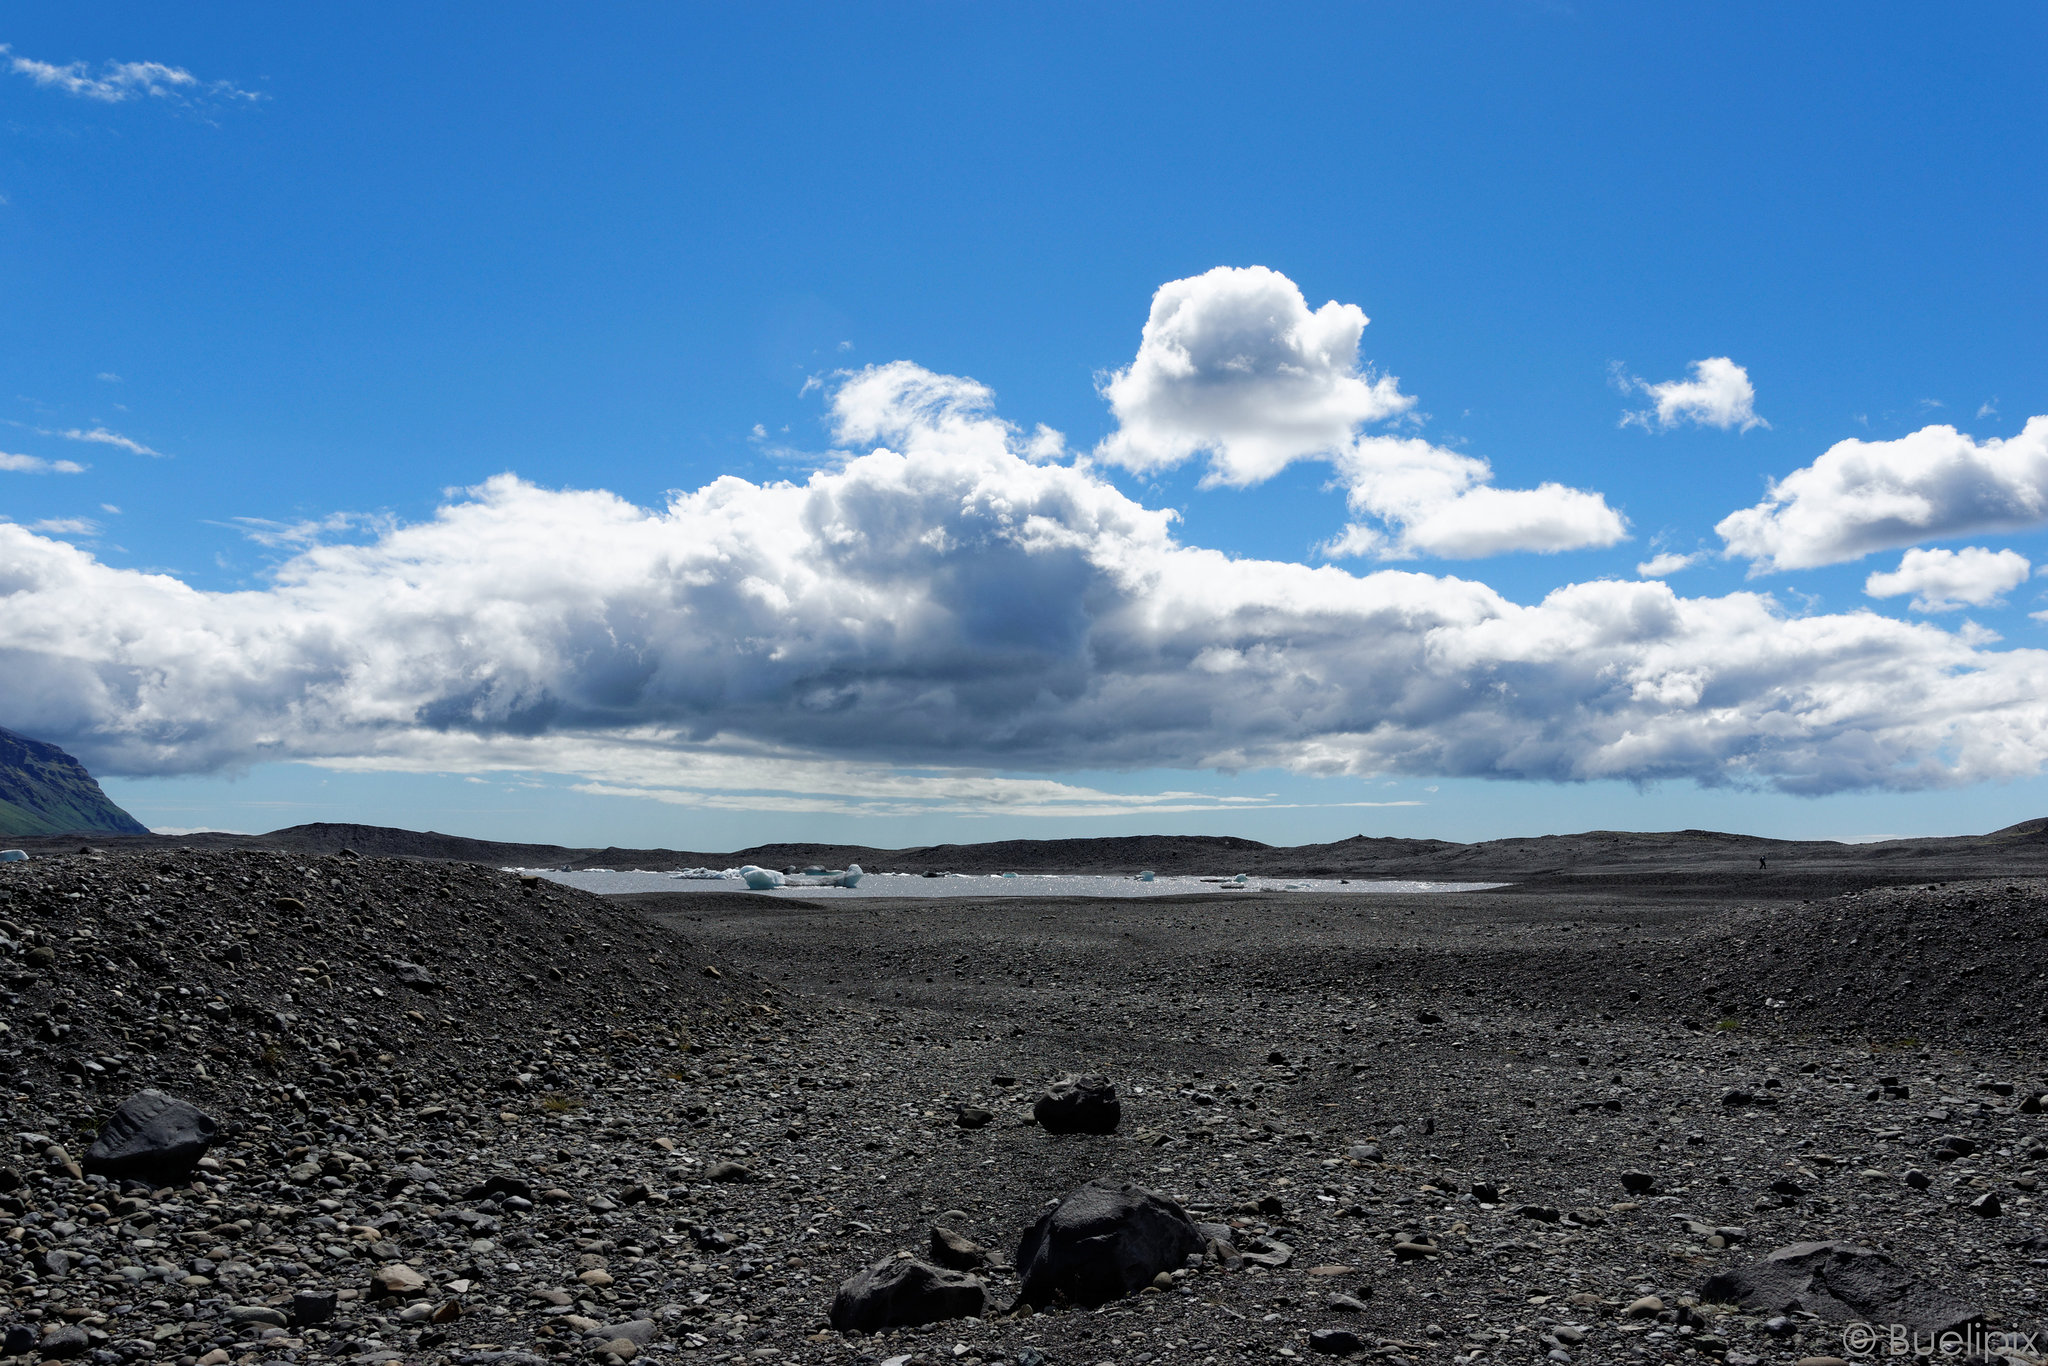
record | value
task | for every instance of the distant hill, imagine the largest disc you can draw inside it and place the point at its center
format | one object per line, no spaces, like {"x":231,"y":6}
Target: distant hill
{"x":44,"y":791}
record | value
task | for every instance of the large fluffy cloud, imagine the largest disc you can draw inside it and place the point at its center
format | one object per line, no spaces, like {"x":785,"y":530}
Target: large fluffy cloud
{"x":1945,"y":580}
{"x":1236,"y":365}
{"x":1863,"y":496}
{"x":952,"y":601}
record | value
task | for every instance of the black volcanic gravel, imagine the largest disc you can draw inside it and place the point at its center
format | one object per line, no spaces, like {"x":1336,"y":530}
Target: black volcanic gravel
{"x":1467,"y":1129}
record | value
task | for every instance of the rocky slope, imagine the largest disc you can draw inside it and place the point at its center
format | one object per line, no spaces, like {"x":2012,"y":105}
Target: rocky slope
{"x":44,"y":791}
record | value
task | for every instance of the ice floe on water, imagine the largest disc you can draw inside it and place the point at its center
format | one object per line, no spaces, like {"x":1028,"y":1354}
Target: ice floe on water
{"x":852,"y":882}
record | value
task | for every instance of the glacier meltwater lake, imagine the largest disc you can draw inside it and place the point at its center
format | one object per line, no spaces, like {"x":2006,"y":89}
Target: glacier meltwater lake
{"x":608,"y":883}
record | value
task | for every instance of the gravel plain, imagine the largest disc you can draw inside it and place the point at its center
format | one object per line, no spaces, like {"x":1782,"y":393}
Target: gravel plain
{"x":500,"y":1120}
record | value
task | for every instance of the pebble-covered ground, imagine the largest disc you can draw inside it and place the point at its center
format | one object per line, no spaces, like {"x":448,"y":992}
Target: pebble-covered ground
{"x":1491,"y":1127}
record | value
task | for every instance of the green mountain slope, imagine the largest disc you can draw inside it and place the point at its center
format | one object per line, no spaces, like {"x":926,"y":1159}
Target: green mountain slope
{"x":44,"y":791}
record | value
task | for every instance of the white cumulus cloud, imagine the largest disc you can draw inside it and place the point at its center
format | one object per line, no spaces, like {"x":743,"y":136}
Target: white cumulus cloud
{"x":942,"y":607}
{"x":1443,"y":503}
{"x":1945,"y":580}
{"x":32,"y":464}
{"x":1865,"y":496}
{"x":1719,"y":394}
{"x":1235,"y":365}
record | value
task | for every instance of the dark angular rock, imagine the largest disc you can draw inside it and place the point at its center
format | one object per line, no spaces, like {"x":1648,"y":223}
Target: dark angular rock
{"x":973,"y":1117}
{"x":152,"y":1137}
{"x":310,"y":1307}
{"x":639,"y":1332}
{"x":902,"y":1293}
{"x":414,"y":976}
{"x":1336,"y":1342}
{"x":17,"y":1340}
{"x":1840,"y":1282}
{"x":1103,"y":1242}
{"x":1638,"y":1183}
{"x":1079,"y":1105}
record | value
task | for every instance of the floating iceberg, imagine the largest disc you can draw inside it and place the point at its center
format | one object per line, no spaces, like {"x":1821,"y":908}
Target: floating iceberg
{"x":13,"y":856}
{"x":1145,"y":876}
{"x":702,"y":874}
{"x":767,"y":879}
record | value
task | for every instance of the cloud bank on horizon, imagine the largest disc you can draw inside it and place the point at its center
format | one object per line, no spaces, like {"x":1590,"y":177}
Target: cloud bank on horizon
{"x":954,"y":595}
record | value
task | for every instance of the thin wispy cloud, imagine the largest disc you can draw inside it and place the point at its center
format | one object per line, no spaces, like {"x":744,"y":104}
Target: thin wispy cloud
{"x":65,"y":526}
{"x":115,"y":82}
{"x":35,"y":464}
{"x":100,"y":436}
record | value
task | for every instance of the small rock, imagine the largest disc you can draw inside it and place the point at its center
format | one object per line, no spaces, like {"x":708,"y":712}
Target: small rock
{"x":1987,"y":1206}
{"x":597,"y":1276}
{"x":255,"y":1313}
{"x":973,"y":1117}
{"x":63,"y":1341}
{"x":640,"y":1332}
{"x":956,"y":1251}
{"x":310,"y":1307}
{"x":730,"y":1171}
{"x":396,"y":1281}
{"x":1336,"y":1342}
{"x":1648,"y":1307}
{"x":1486,"y":1193}
{"x":1104,"y":1241}
{"x":1638,"y":1183}
{"x":902,"y":1292}
{"x":1345,"y":1304}
{"x":152,"y":1137}
{"x":1918,"y":1179}
{"x":1079,"y":1105}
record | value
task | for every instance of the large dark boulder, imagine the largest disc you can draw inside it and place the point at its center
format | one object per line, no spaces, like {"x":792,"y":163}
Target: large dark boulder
{"x":1103,"y":1242}
{"x":1079,"y":1105}
{"x":902,"y":1293}
{"x":152,"y":1137}
{"x":1842,"y":1283}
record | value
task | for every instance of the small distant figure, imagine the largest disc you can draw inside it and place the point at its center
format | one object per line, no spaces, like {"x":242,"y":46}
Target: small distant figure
{"x":1759,"y":863}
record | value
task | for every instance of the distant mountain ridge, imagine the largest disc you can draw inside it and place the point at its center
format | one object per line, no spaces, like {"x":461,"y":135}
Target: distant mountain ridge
{"x":44,"y":791}
{"x":1597,"y":862}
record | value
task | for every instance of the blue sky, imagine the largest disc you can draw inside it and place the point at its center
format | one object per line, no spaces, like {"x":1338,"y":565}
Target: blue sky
{"x":283,"y":285}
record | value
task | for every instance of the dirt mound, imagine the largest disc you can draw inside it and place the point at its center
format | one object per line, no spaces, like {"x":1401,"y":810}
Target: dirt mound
{"x":269,"y":983}
{"x":1923,"y":961}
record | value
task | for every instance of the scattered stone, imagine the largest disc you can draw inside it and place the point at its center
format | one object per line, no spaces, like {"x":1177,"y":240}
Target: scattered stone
{"x":731,"y":1172}
{"x":1079,"y":1105}
{"x":973,"y":1117}
{"x":1638,"y":1183}
{"x":1647,"y":1307}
